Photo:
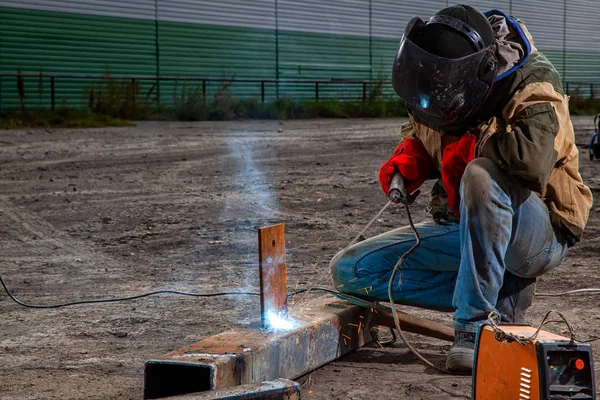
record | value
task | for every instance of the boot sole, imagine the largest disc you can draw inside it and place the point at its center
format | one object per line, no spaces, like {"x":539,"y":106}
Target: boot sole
{"x":460,"y":359}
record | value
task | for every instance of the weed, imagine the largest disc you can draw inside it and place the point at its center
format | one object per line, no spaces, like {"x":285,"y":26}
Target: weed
{"x":223,"y":105}
{"x":119,"y":99}
{"x":189,"y":105}
{"x":579,"y":105}
{"x":62,"y":117}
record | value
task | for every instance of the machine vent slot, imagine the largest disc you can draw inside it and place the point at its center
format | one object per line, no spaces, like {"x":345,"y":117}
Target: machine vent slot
{"x":525,"y":384}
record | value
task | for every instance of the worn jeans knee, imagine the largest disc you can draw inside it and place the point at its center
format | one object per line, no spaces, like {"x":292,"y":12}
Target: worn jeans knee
{"x":426,"y":279}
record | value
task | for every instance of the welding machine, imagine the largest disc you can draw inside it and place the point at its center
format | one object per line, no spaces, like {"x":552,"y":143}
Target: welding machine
{"x":513,"y":362}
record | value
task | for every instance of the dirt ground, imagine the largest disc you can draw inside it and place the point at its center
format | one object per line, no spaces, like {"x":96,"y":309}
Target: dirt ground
{"x":113,"y":212}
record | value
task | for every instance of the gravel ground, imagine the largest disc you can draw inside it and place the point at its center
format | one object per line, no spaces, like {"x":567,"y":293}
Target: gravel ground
{"x":111,"y":212}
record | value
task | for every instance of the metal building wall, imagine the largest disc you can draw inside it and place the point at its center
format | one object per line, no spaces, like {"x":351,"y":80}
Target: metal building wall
{"x":287,"y":39}
{"x":545,"y":22}
{"x":582,"y":56}
{"x":234,"y":38}
{"x":323,"y":40}
{"x":73,"y":37}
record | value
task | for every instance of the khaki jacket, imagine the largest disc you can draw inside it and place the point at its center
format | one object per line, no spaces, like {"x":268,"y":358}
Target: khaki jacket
{"x":528,"y":132}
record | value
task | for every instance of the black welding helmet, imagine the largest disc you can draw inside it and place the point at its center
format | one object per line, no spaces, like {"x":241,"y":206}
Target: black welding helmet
{"x":445,"y":86}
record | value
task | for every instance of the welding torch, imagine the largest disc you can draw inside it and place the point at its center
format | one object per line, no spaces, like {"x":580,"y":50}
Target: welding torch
{"x":398,"y":192}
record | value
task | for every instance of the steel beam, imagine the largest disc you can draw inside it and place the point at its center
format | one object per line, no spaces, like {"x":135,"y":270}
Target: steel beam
{"x":281,"y":389}
{"x":325,"y":330}
{"x":319,"y":331}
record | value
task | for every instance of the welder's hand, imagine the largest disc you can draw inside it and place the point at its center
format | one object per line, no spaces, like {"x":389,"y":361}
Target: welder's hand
{"x":411,"y":161}
{"x":455,"y":158}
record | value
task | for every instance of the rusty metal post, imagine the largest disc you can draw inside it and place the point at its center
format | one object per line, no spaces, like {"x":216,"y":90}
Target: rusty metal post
{"x":411,"y":323}
{"x":272,"y":272}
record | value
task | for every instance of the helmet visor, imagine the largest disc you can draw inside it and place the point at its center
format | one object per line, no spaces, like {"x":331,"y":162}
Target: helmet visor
{"x":441,"y":91}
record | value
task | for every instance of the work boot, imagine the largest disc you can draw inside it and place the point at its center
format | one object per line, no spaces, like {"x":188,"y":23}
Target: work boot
{"x":514,"y":298}
{"x":460,"y":356}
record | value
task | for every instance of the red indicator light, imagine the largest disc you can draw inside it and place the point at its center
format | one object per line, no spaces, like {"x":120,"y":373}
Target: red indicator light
{"x":579,"y":364}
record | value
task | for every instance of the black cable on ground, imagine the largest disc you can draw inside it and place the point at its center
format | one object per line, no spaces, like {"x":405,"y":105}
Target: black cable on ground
{"x":148,"y":294}
{"x":119,"y":299}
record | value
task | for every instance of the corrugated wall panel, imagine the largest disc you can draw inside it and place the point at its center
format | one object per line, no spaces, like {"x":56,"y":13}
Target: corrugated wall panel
{"x":583,"y":37}
{"x":258,"y":14}
{"x":71,"y":43}
{"x":216,"y":51}
{"x":390,"y":17}
{"x":323,"y":40}
{"x":204,"y":39}
{"x":334,"y":17}
{"x":138,"y":9}
{"x":317,"y":40}
{"x":544,"y":19}
{"x":485,"y":5}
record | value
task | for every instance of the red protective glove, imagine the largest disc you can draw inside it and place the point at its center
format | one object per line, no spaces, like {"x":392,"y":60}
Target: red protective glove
{"x":412,"y":161}
{"x":455,"y":158}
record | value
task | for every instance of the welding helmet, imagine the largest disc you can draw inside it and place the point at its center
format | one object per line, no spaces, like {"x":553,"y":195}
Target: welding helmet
{"x":444,"y":69}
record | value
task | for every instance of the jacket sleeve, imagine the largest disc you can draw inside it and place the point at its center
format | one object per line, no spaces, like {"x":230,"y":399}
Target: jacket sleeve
{"x":524,"y":144}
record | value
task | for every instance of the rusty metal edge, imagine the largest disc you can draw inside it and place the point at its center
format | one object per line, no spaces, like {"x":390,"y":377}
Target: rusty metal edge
{"x":273,"y":390}
{"x":327,"y":329}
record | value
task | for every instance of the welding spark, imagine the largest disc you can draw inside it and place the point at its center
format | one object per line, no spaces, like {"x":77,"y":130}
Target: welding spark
{"x":279,"y":322}
{"x":226,"y":267}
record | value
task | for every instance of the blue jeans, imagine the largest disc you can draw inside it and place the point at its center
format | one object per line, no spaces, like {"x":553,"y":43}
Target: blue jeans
{"x":504,"y":228}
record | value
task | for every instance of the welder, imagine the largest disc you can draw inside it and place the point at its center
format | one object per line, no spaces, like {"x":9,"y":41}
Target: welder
{"x":490,"y":122}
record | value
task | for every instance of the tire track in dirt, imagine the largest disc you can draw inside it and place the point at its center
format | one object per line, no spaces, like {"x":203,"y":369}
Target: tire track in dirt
{"x":27,"y":228}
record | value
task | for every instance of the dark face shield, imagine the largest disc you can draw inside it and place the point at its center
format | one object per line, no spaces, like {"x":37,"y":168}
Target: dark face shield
{"x":442,"y":92}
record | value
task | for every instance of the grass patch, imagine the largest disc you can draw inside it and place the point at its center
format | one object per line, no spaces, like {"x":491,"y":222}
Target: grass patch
{"x":584,"y":105}
{"x":62,"y":117}
{"x":110,"y":102}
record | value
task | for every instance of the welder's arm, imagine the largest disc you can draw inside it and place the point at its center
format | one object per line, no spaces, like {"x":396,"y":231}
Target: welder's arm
{"x":525,"y":148}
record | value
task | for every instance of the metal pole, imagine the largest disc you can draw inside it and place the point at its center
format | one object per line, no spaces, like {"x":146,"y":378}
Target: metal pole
{"x":133,"y":91}
{"x":564,"y":76}
{"x":317,"y":91}
{"x":364,"y":92}
{"x":591,"y":90}
{"x":277,"y":49}
{"x":204,"y":89}
{"x":52,"y":93}
{"x":262,"y":91}
{"x":157,"y":50}
{"x":370,"y":40}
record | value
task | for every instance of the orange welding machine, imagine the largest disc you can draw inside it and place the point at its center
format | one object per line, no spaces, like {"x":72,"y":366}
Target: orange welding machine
{"x":518,"y":362}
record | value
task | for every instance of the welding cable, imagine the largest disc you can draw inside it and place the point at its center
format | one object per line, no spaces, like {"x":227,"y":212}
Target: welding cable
{"x":320,"y":277}
{"x":414,"y":351}
{"x":120,"y":299}
{"x":570,"y":292}
{"x":148,"y":294}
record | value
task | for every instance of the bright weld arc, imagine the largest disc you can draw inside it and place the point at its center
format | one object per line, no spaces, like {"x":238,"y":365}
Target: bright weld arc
{"x":279,"y":322}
